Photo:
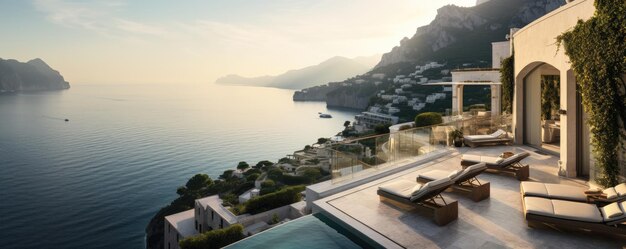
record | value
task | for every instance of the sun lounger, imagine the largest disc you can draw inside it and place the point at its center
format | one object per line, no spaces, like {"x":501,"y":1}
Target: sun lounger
{"x":498,"y":137}
{"x":509,"y":165}
{"x":426,"y":197}
{"x":576,"y":215}
{"x":572,"y":193}
{"x":465,"y":180}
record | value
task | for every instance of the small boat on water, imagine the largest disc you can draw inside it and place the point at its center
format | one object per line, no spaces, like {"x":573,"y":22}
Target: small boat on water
{"x":324,"y":115}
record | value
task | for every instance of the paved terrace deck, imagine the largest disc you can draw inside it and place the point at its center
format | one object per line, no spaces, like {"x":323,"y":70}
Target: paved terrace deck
{"x":497,"y":222}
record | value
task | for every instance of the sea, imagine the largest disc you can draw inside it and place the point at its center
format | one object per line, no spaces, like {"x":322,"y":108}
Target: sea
{"x":95,"y":180}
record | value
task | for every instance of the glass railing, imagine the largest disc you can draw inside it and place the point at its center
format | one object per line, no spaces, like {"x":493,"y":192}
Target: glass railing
{"x":360,"y":157}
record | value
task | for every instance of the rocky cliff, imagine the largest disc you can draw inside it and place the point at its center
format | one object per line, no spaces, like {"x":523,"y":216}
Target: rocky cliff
{"x":34,"y":75}
{"x":467,"y":32}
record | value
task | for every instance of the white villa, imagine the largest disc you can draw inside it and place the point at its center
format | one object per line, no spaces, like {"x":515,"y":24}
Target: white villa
{"x":379,"y":193}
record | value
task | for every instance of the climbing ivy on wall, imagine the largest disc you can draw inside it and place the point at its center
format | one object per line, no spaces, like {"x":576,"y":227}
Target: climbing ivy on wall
{"x":549,"y":95}
{"x":597,"y":52}
{"x":507,"y":79}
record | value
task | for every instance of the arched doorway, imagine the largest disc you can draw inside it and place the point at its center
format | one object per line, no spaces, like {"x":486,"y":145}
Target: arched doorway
{"x":542,"y":127}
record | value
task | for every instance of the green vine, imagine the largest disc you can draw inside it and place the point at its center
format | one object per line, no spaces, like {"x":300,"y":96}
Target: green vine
{"x":597,"y":52}
{"x":549,"y":95}
{"x":507,"y":78}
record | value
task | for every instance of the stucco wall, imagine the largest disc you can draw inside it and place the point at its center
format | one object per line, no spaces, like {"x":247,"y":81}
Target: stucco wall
{"x":493,"y":76}
{"x":499,"y":51}
{"x":534,"y":45}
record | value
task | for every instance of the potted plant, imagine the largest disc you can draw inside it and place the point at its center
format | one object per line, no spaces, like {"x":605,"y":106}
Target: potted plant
{"x":457,"y":136}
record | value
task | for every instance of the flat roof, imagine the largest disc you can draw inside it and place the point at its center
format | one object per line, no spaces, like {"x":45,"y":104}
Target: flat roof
{"x":456,"y":83}
{"x":183,"y":222}
{"x":215,"y":203}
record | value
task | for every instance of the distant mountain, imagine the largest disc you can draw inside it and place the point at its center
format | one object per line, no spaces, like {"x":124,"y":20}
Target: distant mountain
{"x":465,"y":33}
{"x":458,"y":37}
{"x":34,"y":75}
{"x":334,"y":69}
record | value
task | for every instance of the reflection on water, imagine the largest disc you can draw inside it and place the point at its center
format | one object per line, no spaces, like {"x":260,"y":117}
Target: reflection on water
{"x":95,"y":181}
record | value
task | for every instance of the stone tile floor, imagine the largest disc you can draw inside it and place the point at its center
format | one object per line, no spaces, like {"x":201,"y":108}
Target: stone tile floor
{"x":497,"y":222}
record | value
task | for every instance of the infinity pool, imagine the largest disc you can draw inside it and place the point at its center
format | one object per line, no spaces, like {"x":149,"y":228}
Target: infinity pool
{"x":312,"y":231}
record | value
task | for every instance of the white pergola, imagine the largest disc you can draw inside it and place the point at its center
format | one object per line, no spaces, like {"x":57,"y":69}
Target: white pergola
{"x":457,"y":94}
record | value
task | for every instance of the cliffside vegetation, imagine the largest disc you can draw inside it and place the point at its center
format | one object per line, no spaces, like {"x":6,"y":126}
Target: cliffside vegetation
{"x":281,"y":189}
{"x":597,"y":52}
{"x":214,"y":239}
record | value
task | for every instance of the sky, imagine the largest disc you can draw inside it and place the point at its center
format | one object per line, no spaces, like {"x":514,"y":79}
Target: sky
{"x":197,"y":41}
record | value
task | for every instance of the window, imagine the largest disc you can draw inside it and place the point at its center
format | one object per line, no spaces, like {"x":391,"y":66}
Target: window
{"x":177,"y":237}
{"x":212,"y":215}
{"x":169,"y":227}
{"x":196,"y":224}
{"x":169,"y":246}
{"x":200,"y":228}
{"x":221,"y":223}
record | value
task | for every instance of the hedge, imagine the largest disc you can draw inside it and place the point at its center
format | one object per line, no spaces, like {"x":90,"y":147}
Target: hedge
{"x":277,"y":199}
{"x":428,"y":119}
{"x":217,"y":238}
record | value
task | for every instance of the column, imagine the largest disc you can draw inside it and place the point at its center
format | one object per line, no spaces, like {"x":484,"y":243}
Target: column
{"x":495,"y":100}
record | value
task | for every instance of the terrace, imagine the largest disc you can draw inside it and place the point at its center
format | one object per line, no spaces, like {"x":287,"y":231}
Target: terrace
{"x":497,"y":222}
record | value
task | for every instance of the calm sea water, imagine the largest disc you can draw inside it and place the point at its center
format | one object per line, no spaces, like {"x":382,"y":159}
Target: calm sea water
{"x":95,"y":181}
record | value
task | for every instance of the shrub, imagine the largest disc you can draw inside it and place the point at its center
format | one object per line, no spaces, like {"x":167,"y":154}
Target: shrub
{"x":217,"y":238}
{"x":507,"y":77}
{"x":405,"y":127}
{"x":252,"y":177}
{"x":428,"y":119}
{"x":242,"y":166}
{"x":382,"y":129}
{"x":312,"y":173}
{"x":322,"y":140}
{"x":263,"y":164}
{"x":275,"y":174}
{"x":268,"y":184}
{"x":270,"y":201}
{"x":295,"y":180}
{"x":227,"y":174}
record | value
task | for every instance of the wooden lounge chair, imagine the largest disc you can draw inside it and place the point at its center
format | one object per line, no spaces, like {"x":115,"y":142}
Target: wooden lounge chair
{"x":510,"y":165}
{"x":498,"y":137}
{"x":573,"y":193}
{"x":426,"y":197}
{"x":465,"y":180}
{"x":573,"y":215}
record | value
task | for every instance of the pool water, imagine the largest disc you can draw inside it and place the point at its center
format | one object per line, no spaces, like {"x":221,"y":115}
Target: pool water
{"x":312,"y":231}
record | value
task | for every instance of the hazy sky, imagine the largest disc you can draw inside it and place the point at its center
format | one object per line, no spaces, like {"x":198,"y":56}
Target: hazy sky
{"x":160,"y":41}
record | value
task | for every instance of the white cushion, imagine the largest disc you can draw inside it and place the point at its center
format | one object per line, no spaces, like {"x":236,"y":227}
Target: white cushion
{"x":430,"y":186}
{"x":621,"y":189}
{"x":478,"y":137}
{"x":553,"y":191}
{"x":435,"y":174}
{"x":612,"y":211}
{"x":610,"y":193}
{"x":498,"y":134}
{"x":484,"y":159}
{"x":402,"y":188}
{"x":563,"y":209}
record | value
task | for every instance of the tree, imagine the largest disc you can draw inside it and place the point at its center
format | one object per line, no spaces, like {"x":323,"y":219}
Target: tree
{"x":507,"y":77}
{"x":227,"y":174}
{"x":346,"y":124}
{"x":428,"y":119}
{"x":322,"y":140}
{"x":382,"y":129}
{"x":312,"y":173}
{"x":243,"y":166}
{"x":263,"y":164}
